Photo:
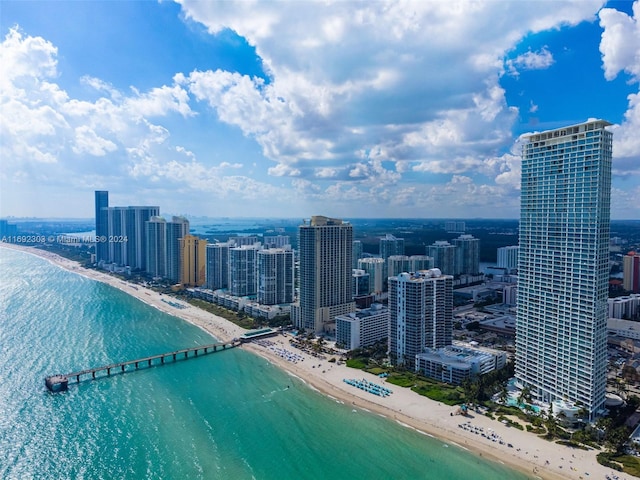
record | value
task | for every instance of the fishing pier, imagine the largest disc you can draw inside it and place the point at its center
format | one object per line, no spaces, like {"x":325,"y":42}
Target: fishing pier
{"x":58,"y":383}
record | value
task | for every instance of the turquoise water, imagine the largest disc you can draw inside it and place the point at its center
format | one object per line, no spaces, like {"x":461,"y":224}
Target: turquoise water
{"x":512,"y":402}
{"x":227,"y":415}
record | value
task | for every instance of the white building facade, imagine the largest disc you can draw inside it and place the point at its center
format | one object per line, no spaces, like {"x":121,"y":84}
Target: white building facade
{"x":275,"y":276}
{"x":563,"y":268}
{"x":421,"y":314}
{"x":508,"y":258}
{"x":362,"y":328}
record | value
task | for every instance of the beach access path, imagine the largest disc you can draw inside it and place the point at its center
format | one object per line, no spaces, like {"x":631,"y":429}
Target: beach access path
{"x":529,"y":453}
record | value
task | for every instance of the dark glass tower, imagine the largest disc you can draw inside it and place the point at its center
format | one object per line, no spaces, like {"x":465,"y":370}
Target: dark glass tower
{"x":102,"y":225}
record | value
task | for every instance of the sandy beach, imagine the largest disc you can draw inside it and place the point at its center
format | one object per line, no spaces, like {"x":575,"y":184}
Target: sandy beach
{"x":528,"y":453}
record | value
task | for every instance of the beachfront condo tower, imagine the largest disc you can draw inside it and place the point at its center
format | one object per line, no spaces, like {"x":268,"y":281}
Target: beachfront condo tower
{"x":421,"y":314}
{"x":218,"y":265}
{"x":563,"y":265}
{"x":325,"y":249}
{"x":276,"y":276}
{"x":193,"y":261}
{"x":102,"y":225}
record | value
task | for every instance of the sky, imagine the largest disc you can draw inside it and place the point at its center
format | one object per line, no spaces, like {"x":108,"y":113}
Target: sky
{"x":350,"y":109}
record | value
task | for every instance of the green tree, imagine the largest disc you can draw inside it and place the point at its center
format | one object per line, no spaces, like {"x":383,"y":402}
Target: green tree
{"x":525,"y":396}
{"x":503,"y":396}
{"x":616,"y":438}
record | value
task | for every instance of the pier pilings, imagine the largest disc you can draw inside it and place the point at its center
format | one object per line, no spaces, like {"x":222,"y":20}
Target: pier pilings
{"x":58,"y":383}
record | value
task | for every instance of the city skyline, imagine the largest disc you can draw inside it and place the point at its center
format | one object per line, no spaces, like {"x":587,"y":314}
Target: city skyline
{"x":408,"y":110}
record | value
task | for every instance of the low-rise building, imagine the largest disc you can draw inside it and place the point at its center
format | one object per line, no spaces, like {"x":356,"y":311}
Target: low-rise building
{"x":362,"y":328}
{"x":627,"y":307}
{"x":455,"y":363}
{"x":623,"y":328}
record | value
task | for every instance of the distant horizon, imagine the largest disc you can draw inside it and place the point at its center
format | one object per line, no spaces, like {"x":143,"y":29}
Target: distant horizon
{"x":92,"y":220}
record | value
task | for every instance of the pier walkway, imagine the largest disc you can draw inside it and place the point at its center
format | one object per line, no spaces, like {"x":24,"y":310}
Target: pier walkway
{"x":57,"y":383}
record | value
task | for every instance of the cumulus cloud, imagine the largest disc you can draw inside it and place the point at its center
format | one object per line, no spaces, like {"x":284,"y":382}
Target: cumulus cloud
{"x":530,"y":61}
{"x":396,"y":105}
{"x":50,"y":138}
{"x":412,"y":82}
{"x":620,"y":49}
{"x":620,"y":44}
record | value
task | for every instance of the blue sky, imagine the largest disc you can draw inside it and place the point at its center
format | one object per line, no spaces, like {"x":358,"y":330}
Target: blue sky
{"x":292,"y":109}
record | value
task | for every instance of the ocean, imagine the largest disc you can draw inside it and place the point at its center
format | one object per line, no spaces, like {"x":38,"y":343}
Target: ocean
{"x":228,"y":415}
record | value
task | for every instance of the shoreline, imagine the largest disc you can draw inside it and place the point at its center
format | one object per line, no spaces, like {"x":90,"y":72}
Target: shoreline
{"x":530,"y":455}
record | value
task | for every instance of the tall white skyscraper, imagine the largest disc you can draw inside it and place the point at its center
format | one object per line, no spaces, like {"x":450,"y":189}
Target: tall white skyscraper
{"x":325,"y":250}
{"x":563,"y":268}
{"x":421,"y":314}
{"x":243,"y":270}
{"x":275,"y":276}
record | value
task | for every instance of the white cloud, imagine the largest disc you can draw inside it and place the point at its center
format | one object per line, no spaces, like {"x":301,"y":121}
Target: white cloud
{"x":539,"y":60}
{"x":620,"y":48}
{"x":87,"y":141}
{"x":620,"y":45}
{"x":409,"y":81}
{"x":370,"y":103}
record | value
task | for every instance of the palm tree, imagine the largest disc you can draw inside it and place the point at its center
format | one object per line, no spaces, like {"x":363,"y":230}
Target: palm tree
{"x":503,"y":396}
{"x":525,"y":396}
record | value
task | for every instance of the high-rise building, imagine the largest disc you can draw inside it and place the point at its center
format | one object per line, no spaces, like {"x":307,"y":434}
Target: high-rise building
{"x":156,"y":238}
{"x":444,"y":256}
{"x":126,"y":240}
{"x":176,"y":229}
{"x":241,"y":240}
{"x":419,"y":262}
{"x":467,"y":257}
{"x":276,"y":241}
{"x":397,"y":264}
{"x":563,"y":268}
{"x":357,"y":252}
{"x":102,"y":225}
{"x":218,"y":266}
{"x":508,"y":258}
{"x":455,"y":226}
{"x":325,"y":254}
{"x":390,"y":245}
{"x":243,"y":270}
{"x":374,"y":266}
{"x":631,"y":272}
{"x":421,"y":314}
{"x":136,"y":235}
{"x":275,"y":276}
{"x":193,"y":261}
{"x":360,"y":283}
